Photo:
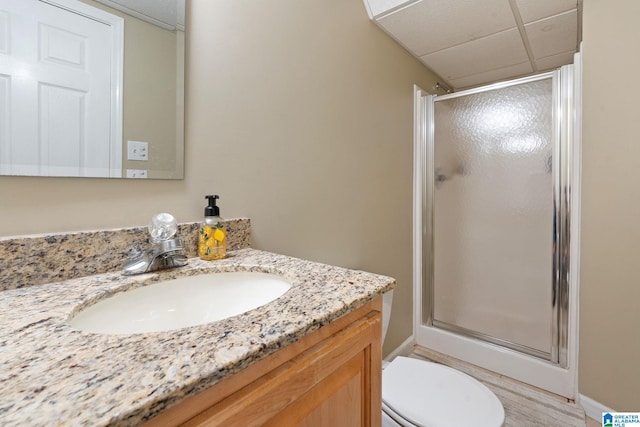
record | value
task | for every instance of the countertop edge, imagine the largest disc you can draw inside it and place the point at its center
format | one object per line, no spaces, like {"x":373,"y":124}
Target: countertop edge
{"x":133,"y":379}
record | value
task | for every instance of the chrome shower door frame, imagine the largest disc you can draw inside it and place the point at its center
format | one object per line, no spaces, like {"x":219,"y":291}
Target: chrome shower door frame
{"x":554,"y":371}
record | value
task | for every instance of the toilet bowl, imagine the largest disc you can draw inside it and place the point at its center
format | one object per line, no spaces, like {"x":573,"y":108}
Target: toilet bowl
{"x":418,"y":393}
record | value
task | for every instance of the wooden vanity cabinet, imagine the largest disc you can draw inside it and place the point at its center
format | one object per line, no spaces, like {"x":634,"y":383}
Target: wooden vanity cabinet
{"x":331,"y":377}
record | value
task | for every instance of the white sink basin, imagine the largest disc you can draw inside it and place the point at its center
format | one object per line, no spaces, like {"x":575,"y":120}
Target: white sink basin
{"x":179,"y":303}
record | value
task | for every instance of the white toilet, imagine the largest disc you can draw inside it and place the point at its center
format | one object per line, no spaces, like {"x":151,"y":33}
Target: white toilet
{"x":417,"y":393}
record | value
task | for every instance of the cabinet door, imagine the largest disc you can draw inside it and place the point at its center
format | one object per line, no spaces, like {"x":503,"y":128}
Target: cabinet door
{"x":334,"y":383}
{"x":339,"y":400}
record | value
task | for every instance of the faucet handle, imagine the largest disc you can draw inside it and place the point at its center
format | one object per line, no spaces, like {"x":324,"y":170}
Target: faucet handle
{"x":163,"y":226}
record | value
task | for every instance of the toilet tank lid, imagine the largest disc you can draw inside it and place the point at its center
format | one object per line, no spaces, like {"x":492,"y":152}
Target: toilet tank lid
{"x":432,"y":395}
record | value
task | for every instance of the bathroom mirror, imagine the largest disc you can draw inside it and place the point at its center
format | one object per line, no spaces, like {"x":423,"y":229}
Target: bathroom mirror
{"x":92,"y":88}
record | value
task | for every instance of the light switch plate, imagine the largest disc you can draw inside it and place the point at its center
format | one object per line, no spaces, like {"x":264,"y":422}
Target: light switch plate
{"x":137,"y":150}
{"x":136,"y":173}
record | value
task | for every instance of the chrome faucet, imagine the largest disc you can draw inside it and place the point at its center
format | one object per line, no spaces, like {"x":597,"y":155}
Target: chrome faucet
{"x":160,"y":256}
{"x":165,"y":250}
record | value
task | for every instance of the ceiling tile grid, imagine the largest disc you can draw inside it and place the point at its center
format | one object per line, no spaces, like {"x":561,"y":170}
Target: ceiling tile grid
{"x":471,"y":42}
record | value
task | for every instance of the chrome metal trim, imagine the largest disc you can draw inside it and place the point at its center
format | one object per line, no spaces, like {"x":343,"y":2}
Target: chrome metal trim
{"x":566,"y":155}
{"x":563,"y":170}
{"x":427,"y":208}
{"x":493,"y":86}
{"x":492,"y":340}
{"x":557,"y":204}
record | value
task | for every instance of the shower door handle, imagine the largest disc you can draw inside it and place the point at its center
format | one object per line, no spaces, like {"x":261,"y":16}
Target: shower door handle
{"x":440,"y":177}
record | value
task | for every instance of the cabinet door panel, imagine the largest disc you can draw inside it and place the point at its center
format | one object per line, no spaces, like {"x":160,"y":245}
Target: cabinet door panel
{"x":333,"y":377}
{"x":337,"y":401}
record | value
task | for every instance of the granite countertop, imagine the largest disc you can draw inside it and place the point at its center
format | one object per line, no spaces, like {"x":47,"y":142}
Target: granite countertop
{"x":51,"y":373}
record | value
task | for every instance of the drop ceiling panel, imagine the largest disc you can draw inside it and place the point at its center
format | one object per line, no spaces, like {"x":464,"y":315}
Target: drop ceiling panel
{"x":533,"y":10}
{"x":478,"y":56}
{"x":446,"y":22}
{"x":472,"y":42}
{"x":555,"y":61}
{"x":553,"y":35}
{"x":493,"y":75}
{"x":380,"y":6}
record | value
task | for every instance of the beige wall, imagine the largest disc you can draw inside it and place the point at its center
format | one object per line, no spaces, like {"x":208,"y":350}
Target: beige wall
{"x":149,"y":103}
{"x":299,"y":114}
{"x":150,"y":81}
{"x":306,"y":110}
{"x":610,"y":281}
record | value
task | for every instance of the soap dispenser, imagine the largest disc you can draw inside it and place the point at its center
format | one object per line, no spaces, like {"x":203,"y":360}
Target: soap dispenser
{"x":212,"y":235}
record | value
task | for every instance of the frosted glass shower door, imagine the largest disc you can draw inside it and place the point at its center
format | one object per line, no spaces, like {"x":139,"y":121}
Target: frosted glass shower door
{"x":493,"y":217}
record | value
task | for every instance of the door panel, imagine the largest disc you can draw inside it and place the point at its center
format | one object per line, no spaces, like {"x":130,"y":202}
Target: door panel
{"x":61,"y":47}
{"x":493,"y":214}
{"x":4,"y":32}
{"x":61,"y":145}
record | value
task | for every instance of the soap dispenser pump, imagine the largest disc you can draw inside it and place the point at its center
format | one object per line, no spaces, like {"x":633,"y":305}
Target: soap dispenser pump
{"x":212,"y":235}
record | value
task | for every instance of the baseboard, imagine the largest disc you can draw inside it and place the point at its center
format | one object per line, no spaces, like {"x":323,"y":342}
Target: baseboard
{"x":592,"y":408}
{"x":404,"y":349}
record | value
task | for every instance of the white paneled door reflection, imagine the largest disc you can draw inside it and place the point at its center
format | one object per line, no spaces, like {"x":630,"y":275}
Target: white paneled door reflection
{"x":493,"y":219}
{"x":55,"y":91}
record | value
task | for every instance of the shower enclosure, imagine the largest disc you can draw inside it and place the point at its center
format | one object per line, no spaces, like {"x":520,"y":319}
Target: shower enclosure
{"x":495,"y":218}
